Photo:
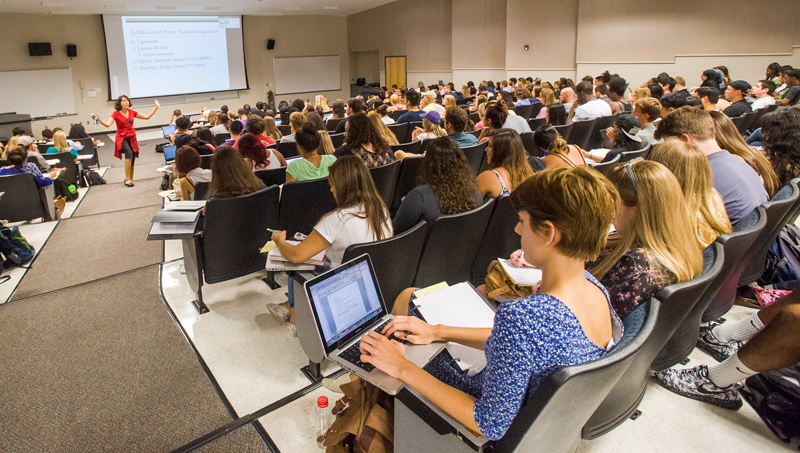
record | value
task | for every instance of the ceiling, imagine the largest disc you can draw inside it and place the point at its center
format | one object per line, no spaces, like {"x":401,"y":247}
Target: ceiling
{"x":245,"y":7}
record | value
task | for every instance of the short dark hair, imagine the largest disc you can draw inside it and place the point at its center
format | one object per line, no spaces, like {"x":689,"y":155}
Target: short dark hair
{"x":243,"y":111}
{"x":795,"y":73}
{"x":308,"y":137}
{"x":601,"y":89}
{"x":118,"y":102}
{"x":183,"y":122}
{"x":768,"y":85}
{"x":356,"y":105}
{"x":187,"y":159}
{"x":711,"y":93}
{"x":497,"y":115}
{"x":255,"y":125}
{"x":672,"y":100}
{"x":457,"y":117}
{"x":585,"y":87}
{"x":412,"y":97}
{"x":18,"y":131}
{"x":617,"y":86}
{"x":223,"y":119}
{"x":664,"y":79}
{"x":694,"y":101}
{"x":236,"y":127}
{"x":656,"y":91}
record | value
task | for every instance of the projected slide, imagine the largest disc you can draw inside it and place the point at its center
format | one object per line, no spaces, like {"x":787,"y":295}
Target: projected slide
{"x":156,"y":56}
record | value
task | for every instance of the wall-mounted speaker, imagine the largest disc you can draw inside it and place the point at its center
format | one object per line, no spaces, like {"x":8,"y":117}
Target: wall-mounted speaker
{"x":72,"y":50}
{"x":270,"y":44}
{"x":37,"y":49}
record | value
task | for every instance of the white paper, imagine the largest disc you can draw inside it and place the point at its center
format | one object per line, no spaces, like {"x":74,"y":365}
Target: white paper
{"x":458,"y":305}
{"x":165,"y":216}
{"x":193,"y":205}
{"x":525,"y":276}
{"x":172,"y":228}
{"x":599,"y":152}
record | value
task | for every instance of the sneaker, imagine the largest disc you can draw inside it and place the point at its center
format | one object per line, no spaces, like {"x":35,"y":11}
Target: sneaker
{"x":694,"y":383}
{"x":717,"y":349}
{"x":279,"y":311}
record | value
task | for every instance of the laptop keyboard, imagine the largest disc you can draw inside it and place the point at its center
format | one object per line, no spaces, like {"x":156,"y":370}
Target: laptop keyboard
{"x":353,"y":354}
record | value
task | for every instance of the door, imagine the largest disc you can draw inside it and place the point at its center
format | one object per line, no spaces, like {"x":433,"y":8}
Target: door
{"x":396,"y":71}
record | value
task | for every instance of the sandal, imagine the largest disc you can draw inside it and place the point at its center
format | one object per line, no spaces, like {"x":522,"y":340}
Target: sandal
{"x":279,"y":311}
{"x":129,"y":183}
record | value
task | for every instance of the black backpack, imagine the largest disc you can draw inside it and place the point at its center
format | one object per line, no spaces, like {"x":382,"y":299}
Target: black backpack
{"x":92,"y":177}
{"x":775,"y":396}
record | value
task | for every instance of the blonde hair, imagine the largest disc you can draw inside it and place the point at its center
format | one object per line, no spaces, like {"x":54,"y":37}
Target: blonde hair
{"x":394,"y":99}
{"x":380,"y":127}
{"x":60,"y":141}
{"x":450,"y":101}
{"x":642,"y":93}
{"x":690,"y":166}
{"x":660,"y":223}
{"x":548,"y":97}
{"x":271,"y":129}
{"x":296,"y":120}
{"x":12,"y":143}
{"x":212,"y":117}
{"x":326,"y":144}
{"x":431,"y":128}
{"x":321,"y":101}
{"x":204,"y":112}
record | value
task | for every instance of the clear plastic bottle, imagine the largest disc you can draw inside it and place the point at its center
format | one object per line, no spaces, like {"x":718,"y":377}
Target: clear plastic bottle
{"x":322,"y":420}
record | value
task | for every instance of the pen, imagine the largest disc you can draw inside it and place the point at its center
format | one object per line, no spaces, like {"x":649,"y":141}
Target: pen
{"x":273,"y":231}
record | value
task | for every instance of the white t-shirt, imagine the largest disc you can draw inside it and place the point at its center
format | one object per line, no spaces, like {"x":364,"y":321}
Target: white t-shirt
{"x":762,"y":102}
{"x":343,"y":228}
{"x":591,"y":110}
{"x":517,"y":123}
{"x":387,"y":120}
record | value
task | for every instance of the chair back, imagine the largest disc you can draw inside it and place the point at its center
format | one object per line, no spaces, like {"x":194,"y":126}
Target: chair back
{"x":396,"y":114}
{"x":411,"y":126}
{"x":534,"y":123}
{"x":476,"y":156}
{"x":234,"y":231}
{"x":21,"y":200}
{"x":475,"y":118}
{"x":537,"y":108}
{"x":778,"y":211}
{"x":337,"y":140}
{"x":411,"y":148}
{"x":285,"y":129}
{"x":596,"y":137}
{"x":205,"y":161}
{"x":288,"y":149}
{"x":606,"y":167}
{"x":741,"y":123}
{"x":565,"y":131}
{"x":675,"y":300}
{"x":394,"y":259}
{"x":722,"y":293}
{"x":42,"y":147}
{"x":88,"y":148}
{"x":67,"y":162}
{"x":201,"y":190}
{"x":400,"y":131}
{"x":499,"y":239}
{"x":452,"y":245}
{"x":385,"y":178}
{"x":332,"y":124}
{"x":528,"y":144}
{"x":303,"y":204}
{"x":410,"y":169}
{"x":272,"y":177}
{"x":524,"y":111}
{"x":630,"y":155}
{"x":581,"y":133}
{"x":220,"y":138}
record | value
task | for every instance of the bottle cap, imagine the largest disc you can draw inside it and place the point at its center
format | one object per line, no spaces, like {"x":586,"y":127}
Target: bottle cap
{"x":322,"y":401}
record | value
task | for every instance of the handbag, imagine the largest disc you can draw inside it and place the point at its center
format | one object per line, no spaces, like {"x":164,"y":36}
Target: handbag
{"x":498,"y":283}
{"x":364,"y":420}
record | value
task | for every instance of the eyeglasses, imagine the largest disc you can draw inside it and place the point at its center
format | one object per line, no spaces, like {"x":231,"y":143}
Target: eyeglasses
{"x":629,"y":170}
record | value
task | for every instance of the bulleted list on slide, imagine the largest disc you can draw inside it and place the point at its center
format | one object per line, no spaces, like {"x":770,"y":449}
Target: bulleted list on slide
{"x":180,"y":56}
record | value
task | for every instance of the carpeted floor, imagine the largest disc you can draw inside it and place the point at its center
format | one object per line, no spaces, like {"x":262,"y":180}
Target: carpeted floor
{"x":142,"y":171}
{"x":114,"y":197}
{"x":102,"y":367}
{"x":82,"y":249}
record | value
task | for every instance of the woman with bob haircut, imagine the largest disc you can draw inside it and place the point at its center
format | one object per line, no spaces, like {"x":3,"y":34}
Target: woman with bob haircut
{"x":690,"y":166}
{"x":125,"y":142}
{"x":655,"y":249}
{"x":232,"y":176}
{"x":257,"y":155}
{"x":447,"y":187}
{"x":313,"y":165}
{"x":508,"y":159}
{"x":564,"y":216}
{"x":360,"y":216}
{"x":187,"y":165}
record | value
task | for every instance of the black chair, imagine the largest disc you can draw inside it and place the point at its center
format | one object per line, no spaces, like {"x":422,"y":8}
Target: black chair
{"x":333,"y":123}
{"x":23,"y":201}
{"x":630,"y":155}
{"x":675,"y":301}
{"x":410,"y":169}
{"x":337,"y":140}
{"x":272,"y":177}
{"x":42,"y":147}
{"x":201,"y":190}
{"x":88,"y":148}
{"x":525,"y":111}
{"x":534,"y":123}
{"x":220,"y":138}
{"x":474,"y":117}
{"x":581,"y":133}
{"x":760,"y":115}
{"x":737,"y":243}
{"x":288,"y":149}
{"x":234,"y":231}
{"x":412,"y":148}
{"x":205,"y":161}
{"x":396,"y":114}
{"x":411,"y":126}
{"x":528,"y":144}
{"x":476,"y":133}
{"x":303,"y":204}
{"x":285,"y":129}
{"x":735,"y":246}
{"x":778,"y":211}
{"x":596,"y":137}
{"x":535,"y":111}
{"x":499,"y":239}
{"x":400,"y":131}
{"x":451,"y":247}
{"x":565,"y":131}
{"x":606,"y":167}
{"x":67,"y":162}
{"x":395,"y":259}
{"x":385,"y":178}
{"x":476,"y":156}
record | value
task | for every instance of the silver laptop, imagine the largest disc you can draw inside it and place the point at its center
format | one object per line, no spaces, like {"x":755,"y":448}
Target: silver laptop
{"x":346,"y":303}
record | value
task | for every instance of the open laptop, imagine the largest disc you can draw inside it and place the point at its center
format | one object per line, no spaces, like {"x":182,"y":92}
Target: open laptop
{"x":169,"y":153}
{"x":168,"y":130}
{"x":346,"y":303}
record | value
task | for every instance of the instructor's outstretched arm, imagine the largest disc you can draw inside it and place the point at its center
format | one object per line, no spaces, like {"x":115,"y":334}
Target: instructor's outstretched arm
{"x":104,"y":123}
{"x":147,"y":117}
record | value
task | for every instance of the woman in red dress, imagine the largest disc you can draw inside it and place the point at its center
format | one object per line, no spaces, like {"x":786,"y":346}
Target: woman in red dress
{"x":125,"y":142}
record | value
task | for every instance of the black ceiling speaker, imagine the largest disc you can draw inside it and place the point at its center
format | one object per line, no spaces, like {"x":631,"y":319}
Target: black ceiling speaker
{"x":37,"y":49}
{"x":270,"y":44}
{"x":72,"y":50}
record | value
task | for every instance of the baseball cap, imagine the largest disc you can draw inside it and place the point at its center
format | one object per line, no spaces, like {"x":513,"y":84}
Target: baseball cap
{"x":629,"y":125}
{"x":25,"y":141}
{"x":740,"y":85}
{"x":432,"y":116}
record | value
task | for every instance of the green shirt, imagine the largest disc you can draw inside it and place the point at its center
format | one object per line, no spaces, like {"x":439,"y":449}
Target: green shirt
{"x":303,"y":170}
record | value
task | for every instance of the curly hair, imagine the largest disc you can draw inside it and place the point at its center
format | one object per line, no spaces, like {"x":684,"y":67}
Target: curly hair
{"x":781,"y":142}
{"x":446,"y":170}
{"x":360,"y":132}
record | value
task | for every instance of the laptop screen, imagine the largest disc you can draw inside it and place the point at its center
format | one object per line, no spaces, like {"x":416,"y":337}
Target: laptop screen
{"x":345,"y":301}
{"x":169,"y":153}
{"x":168,"y":130}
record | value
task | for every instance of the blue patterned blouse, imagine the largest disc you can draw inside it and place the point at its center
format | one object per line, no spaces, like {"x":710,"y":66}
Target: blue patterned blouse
{"x":532,"y":337}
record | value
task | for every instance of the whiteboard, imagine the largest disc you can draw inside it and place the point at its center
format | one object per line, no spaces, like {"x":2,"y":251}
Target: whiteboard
{"x":38,"y":93}
{"x":307,"y":74}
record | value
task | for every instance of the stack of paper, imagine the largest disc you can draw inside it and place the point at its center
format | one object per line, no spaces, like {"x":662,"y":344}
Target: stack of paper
{"x":275,"y":255}
{"x":524,"y":276}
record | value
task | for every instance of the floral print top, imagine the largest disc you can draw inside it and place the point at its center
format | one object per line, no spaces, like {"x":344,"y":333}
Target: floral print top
{"x":634,"y":279}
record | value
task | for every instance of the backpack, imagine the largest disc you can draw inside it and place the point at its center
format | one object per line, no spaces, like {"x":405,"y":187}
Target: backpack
{"x":92,"y":177}
{"x":775,"y":396}
{"x":65,"y":189}
{"x":14,"y":246}
{"x":783,"y":258}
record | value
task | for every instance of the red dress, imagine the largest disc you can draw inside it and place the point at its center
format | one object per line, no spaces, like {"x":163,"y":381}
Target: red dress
{"x":125,"y":132}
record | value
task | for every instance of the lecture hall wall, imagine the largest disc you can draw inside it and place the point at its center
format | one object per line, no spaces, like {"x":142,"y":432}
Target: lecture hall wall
{"x":294,"y":35}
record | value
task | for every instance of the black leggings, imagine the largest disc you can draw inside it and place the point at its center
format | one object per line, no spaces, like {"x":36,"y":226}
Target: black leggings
{"x":126,"y":150}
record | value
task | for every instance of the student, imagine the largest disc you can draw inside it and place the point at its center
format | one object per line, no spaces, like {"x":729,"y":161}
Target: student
{"x":182,"y":125}
{"x":220,"y":126}
{"x":296,"y":121}
{"x":792,"y":94}
{"x":187,"y":165}
{"x":77,"y":131}
{"x":587,"y":106}
{"x":271,"y":129}
{"x":447,"y":187}
{"x":363,"y":141}
{"x":312,"y":165}
{"x":27,"y":143}
{"x":735,"y":93}
{"x":380,"y":127}
{"x":558,"y":152}
{"x":236,"y":129}
{"x":564,"y":218}
{"x":412,"y":105}
{"x":709,"y":96}
{"x":326,"y":144}
{"x":455,"y":122}
{"x":781,"y":143}
{"x":256,"y":126}
{"x":354,"y":106}
{"x":360,"y":216}
{"x":672,"y":101}
{"x":383,"y":111}
{"x":60,"y":145}
{"x":256,"y":154}
{"x":507,"y":157}
{"x":624,"y":137}
{"x":18,"y":158}
{"x":763,"y":92}
{"x":231,"y":175}
{"x":430,"y":127}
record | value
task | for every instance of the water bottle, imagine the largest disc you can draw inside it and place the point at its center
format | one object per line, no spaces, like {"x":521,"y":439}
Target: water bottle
{"x":322,"y":420}
{"x":96,"y":122}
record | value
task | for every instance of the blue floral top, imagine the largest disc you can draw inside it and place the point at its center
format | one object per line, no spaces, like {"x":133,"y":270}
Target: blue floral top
{"x":532,"y":337}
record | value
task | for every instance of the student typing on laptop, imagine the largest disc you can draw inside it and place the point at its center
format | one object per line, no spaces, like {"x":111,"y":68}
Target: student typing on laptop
{"x":564,"y":216}
{"x":360,"y":216}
